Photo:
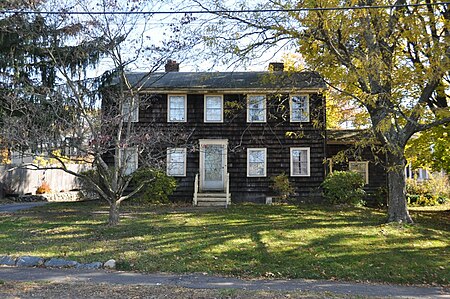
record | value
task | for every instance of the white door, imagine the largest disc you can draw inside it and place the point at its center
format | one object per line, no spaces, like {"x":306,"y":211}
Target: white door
{"x":213,"y":164}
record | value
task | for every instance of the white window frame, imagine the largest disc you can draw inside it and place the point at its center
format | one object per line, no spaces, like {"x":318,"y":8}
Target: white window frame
{"x":291,"y":109}
{"x":351,"y":165}
{"x":130,"y":114}
{"x":308,"y":165}
{"x":264,"y":108}
{"x":125,"y":153}
{"x":172,"y":150}
{"x":168,"y":108}
{"x":205,"y":113}
{"x":248,"y":162}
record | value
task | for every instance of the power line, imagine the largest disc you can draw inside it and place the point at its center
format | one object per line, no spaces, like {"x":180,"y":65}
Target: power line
{"x":220,"y":11}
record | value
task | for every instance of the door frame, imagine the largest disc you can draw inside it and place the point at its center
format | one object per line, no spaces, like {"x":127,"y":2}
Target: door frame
{"x":224,"y":143}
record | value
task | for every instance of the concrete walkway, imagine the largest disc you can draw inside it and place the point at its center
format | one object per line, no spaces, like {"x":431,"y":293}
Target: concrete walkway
{"x":199,"y":281}
{"x":14,"y":207}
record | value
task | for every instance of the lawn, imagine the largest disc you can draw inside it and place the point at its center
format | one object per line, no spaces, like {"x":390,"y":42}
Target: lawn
{"x":249,"y":241}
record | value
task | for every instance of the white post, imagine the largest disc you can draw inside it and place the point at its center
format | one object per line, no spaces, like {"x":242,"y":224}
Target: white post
{"x":227,"y":189}
{"x":195,"y":190}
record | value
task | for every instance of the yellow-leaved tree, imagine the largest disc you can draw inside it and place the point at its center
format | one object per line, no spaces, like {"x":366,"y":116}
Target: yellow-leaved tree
{"x":390,"y":57}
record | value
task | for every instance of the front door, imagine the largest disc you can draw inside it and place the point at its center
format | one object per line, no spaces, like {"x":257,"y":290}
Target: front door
{"x":213,"y":164}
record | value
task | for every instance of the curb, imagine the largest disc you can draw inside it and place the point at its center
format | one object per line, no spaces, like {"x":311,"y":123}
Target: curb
{"x":36,"y":261}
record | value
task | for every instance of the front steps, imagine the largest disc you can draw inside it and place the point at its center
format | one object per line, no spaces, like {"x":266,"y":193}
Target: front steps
{"x":213,"y":199}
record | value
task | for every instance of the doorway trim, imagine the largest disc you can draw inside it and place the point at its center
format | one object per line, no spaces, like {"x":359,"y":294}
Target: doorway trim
{"x":202,"y":143}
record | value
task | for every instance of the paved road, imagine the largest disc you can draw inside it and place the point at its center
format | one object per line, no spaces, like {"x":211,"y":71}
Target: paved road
{"x":14,"y":207}
{"x":198,"y":281}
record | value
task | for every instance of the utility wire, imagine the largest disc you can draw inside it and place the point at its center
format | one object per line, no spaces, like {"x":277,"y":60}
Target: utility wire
{"x":63,"y":12}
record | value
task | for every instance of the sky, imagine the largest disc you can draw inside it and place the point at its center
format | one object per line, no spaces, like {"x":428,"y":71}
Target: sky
{"x":159,"y":28}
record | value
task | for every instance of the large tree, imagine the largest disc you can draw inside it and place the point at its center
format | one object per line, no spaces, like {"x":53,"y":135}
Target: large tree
{"x":430,"y":149}
{"x":67,"y":112}
{"x":391,"y":57}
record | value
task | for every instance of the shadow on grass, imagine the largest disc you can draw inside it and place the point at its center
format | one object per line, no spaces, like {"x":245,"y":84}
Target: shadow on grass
{"x":245,"y":240}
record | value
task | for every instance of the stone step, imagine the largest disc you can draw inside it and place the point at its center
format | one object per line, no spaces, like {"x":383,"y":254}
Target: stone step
{"x":211,"y":199}
{"x":217,"y":195}
{"x":211,"y":204}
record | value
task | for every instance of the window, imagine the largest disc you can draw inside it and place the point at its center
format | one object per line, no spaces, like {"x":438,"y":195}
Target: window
{"x":176,"y":108}
{"x":213,"y":108}
{"x":299,"y":108}
{"x":256,"y":162}
{"x":129,"y":158}
{"x":256,"y":108}
{"x":176,"y":161}
{"x":130,"y":110}
{"x":361,"y":167}
{"x":300,"y":161}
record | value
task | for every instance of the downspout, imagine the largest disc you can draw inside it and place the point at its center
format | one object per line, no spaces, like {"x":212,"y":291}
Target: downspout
{"x":325,"y":139}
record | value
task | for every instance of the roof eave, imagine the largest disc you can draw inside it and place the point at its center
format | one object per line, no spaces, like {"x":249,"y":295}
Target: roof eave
{"x":204,"y":90}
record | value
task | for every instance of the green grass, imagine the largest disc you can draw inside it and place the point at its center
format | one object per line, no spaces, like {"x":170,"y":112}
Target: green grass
{"x":244,"y":240}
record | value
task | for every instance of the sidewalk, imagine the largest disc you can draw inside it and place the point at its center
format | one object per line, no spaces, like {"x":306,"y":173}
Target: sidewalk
{"x":14,"y":207}
{"x":199,"y":281}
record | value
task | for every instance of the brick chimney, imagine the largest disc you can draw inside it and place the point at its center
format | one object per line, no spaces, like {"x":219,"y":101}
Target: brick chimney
{"x":172,"y":66}
{"x":276,"y":66}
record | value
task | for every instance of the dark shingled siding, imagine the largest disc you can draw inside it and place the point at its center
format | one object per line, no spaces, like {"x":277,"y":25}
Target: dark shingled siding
{"x":240,"y":135}
{"x":377,"y":172}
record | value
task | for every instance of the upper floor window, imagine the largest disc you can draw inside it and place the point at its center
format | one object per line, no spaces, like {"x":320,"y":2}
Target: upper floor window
{"x":130,"y":110}
{"x":256,"y":162}
{"x":300,"y":164}
{"x":213,"y":108}
{"x":176,"y":108}
{"x":129,"y":159}
{"x":256,"y":108}
{"x":299,"y":108}
{"x":361,"y":167}
{"x":176,"y":161}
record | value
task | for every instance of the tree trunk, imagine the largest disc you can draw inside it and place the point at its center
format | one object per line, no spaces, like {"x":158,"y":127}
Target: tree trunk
{"x":114,"y":213}
{"x":397,"y":207}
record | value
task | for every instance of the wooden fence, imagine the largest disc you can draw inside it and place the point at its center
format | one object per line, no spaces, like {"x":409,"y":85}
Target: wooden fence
{"x":26,"y":181}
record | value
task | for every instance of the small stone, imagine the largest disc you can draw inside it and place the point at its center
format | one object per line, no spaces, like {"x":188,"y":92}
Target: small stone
{"x":110,"y":264}
{"x":30,"y":261}
{"x":60,"y":263}
{"x":90,"y":266}
{"x":7,"y":261}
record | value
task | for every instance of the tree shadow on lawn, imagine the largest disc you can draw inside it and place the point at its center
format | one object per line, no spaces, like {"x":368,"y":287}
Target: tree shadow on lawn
{"x":255,"y":256}
{"x":432,"y":219}
{"x":242,"y":240}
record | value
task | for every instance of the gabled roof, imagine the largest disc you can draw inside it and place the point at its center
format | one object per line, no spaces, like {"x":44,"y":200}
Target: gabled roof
{"x":227,"y":81}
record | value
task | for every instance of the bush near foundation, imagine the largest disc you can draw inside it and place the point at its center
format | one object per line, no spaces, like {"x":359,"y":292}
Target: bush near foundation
{"x":344,"y":187}
{"x":159,"y":187}
{"x":281,"y":186}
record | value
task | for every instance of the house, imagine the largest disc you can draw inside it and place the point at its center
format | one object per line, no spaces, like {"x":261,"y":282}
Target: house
{"x":359,"y":157}
{"x":242,"y":128}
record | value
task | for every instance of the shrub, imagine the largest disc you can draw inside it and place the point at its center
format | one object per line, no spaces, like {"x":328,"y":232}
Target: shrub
{"x":431,"y":192}
{"x":158,"y":190}
{"x":43,"y":188}
{"x":344,"y":187}
{"x":282,"y":186}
